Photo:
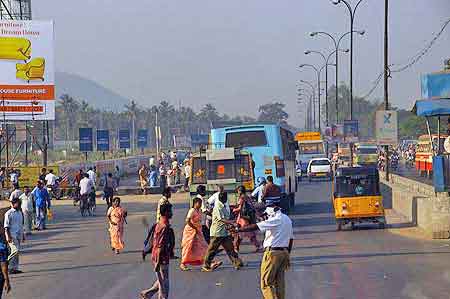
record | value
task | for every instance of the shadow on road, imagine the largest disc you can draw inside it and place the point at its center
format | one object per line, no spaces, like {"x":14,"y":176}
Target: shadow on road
{"x":55,"y":249}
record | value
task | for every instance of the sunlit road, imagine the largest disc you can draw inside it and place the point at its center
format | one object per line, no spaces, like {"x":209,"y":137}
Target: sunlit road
{"x":72,"y":260}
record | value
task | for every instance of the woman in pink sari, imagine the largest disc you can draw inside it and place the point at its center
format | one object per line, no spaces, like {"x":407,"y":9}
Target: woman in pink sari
{"x":116,"y":217}
{"x":193,"y":244}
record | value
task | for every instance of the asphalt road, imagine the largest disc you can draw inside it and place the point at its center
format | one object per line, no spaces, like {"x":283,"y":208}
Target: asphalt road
{"x":72,"y":259}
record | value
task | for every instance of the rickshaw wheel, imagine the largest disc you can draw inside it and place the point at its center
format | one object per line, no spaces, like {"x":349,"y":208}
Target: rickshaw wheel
{"x":339,"y":225}
{"x":352,"y":225}
{"x":382,"y":225}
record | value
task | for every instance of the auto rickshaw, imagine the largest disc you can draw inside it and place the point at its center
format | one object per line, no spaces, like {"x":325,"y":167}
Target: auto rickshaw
{"x":357,"y":197}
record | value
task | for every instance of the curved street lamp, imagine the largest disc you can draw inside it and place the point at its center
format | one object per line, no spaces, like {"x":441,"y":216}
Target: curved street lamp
{"x":336,"y":46}
{"x":352,"y":12}
{"x":311,"y":115}
{"x":318,"y":88}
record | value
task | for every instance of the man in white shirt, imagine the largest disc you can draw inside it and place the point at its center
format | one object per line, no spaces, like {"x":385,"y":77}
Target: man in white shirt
{"x":86,"y":185}
{"x":16,"y":193}
{"x":278,"y":242}
{"x":187,"y":174}
{"x":14,"y":233}
{"x":27,"y":201}
{"x":259,"y":191}
{"x":50,"y":178}
{"x":92,"y":175}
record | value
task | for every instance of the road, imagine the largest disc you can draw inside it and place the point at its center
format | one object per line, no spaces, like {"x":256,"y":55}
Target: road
{"x":72,"y":259}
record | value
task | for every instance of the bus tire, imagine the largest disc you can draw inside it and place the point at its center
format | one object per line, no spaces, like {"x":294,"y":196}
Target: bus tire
{"x":290,"y":185}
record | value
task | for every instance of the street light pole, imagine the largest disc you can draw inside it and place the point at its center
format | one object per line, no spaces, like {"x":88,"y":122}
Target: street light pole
{"x":318,"y":89}
{"x":336,"y":46}
{"x":311,"y":100}
{"x":386,"y":74}
{"x":352,"y":19}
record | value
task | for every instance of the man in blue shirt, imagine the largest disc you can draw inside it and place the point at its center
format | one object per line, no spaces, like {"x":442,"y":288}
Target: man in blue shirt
{"x":43,"y":202}
{"x":4,"y":275}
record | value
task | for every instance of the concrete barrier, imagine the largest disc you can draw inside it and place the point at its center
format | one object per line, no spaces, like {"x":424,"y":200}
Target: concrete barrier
{"x":420,"y":204}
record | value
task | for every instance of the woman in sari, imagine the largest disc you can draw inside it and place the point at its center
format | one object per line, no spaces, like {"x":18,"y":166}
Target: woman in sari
{"x":143,"y":179}
{"x":116,"y":217}
{"x":193,"y":245}
{"x":243,"y":221}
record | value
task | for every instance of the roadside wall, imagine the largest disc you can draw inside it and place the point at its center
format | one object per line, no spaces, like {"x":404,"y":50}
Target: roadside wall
{"x":419,"y":203}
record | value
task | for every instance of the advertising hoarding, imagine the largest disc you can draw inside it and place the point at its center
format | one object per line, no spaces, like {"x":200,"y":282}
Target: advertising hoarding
{"x":142,"y":138}
{"x":199,"y":139}
{"x":86,"y":140}
{"x":351,"y":129}
{"x":386,"y":127}
{"x":124,"y":139}
{"x":182,"y":141}
{"x":436,"y":85}
{"x":102,"y":140}
{"x":27,"y":72}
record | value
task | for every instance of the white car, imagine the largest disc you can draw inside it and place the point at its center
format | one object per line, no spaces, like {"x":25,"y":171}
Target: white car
{"x":319,"y":168}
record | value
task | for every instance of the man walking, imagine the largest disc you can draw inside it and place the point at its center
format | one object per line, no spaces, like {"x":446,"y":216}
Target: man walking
{"x":278,"y":244}
{"x":220,"y":237}
{"x":14,"y":233}
{"x":162,"y":245}
{"x":27,"y":204}
{"x":43,"y":202}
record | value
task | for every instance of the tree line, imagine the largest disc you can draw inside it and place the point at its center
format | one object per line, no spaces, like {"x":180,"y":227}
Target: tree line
{"x":72,"y":114}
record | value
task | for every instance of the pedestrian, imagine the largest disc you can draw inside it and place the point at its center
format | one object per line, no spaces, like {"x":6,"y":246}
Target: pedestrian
{"x":246,"y":214}
{"x":43,"y":202}
{"x":153,"y":176}
{"x":14,"y":178}
{"x":278,"y":244}
{"x":206,"y":210}
{"x":162,"y":176}
{"x":4,"y":273}
{"x":15,"y":193}
{"x":193,"y":244}
{"x":187,"y":174}
{"x":92,"y":175}
{"x":27,"y":205}
{"x":166,"y":194}
{"x":2,"y":176}
{"x":116,"y":218}
{"x":117,"y":175}
{"x":42,"y":175}
{"x":162,"y":244}
{"x":13,"y":225}
{"x":143,"y":178}
{"x":220,"y":237}
{"x":50,"y":179}
{"x":86,"y":191}
{"x":259,"y":191}
{"x":109,"y":189}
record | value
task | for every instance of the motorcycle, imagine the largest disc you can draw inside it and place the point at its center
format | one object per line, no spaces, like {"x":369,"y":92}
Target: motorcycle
{"x":54,"y":191}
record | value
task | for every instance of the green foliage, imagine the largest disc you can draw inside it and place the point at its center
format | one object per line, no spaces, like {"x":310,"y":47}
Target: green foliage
{"x":273,"y":113}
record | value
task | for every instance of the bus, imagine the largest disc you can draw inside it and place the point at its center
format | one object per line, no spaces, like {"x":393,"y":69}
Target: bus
{"x":273,"y":151}
{"x":310,"y":146}
{"x":228,"y":167}
{"x":366,"y":154}
{"x":424,"y":153}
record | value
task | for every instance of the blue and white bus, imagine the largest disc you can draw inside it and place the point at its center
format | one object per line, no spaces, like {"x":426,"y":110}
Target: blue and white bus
{"x":273,"y":152}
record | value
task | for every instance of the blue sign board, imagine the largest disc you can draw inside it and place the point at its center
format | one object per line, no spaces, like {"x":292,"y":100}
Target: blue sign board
{"x":199,"y":139}
{"x":436,"y":85}
{"x":102,"y":140}
{"x":124,"y":138}
{"x":86,"y":140}
{"x":142,"y":138}
{"x":351,"y":130}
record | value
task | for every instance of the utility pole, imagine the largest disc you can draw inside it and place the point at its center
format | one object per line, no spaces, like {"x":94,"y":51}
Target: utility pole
{"x":386,"y":74}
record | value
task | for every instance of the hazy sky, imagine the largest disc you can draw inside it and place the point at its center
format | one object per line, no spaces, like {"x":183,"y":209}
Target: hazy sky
{"x":237,"y":54}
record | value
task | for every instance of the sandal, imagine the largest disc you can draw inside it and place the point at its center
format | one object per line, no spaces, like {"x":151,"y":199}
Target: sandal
{"x":184,"y":268}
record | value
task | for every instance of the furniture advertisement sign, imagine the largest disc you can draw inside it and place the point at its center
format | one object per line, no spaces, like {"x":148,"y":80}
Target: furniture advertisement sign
{"x":27,"y":75}
{"x":386,"y":127}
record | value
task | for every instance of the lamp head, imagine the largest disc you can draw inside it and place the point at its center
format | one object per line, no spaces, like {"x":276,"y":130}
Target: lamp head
{"x":300,"y":66}
{"x":312,"y":34}
{"x":335,"y":2}
{"x":307,"y":52}
{"x":346,"y":50}
{"x":362,"y":32}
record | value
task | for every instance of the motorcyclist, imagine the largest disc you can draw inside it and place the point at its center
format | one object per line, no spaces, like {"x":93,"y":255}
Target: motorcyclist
{"x":259,"y":191}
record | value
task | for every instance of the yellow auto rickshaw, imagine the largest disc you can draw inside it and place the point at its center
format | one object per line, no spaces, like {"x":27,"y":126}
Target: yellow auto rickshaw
{"x":357,"y":197}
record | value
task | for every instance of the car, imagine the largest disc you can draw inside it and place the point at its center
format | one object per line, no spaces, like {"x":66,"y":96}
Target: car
{"x":319,"y":168}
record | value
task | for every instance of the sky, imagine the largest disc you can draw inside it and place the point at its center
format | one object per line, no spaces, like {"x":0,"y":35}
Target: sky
{"x":239,"y":54}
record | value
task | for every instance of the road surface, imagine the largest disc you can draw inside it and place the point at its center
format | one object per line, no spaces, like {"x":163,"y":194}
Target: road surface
{"x":72,"y":259}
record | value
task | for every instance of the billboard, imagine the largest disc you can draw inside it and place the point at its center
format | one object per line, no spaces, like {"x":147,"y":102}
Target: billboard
{"x":351,"y":129}
{"x":86,"y":140}
{"x":182,"y":141}
{"x":436,"y":85}
{"x":124,"y":139}
{"x":199,"y":139}
{"x":386,"y":127}
{"x":337,"y":132}
{"x":142,"y":138}
{"x":102,"y":140}
{"x":27,"y":74}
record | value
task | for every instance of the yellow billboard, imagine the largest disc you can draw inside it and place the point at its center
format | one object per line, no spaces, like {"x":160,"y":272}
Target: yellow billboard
{"x":308,"y":136}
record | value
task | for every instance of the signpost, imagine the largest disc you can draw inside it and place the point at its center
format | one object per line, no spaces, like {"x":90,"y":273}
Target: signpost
{"x":103,"y":142}
{"x":386,"y":127}
{"x":86,"y":142}
{"x":142,"y":139}
{"x":124,"y":139}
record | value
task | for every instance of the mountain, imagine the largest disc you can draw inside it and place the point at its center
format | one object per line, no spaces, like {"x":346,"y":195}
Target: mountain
{"x":85,"y":89}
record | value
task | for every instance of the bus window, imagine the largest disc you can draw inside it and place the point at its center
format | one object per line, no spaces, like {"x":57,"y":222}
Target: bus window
{"x":199,"y":170}
{"x":367,"y":150}
{"x":246,"y":139}
{"x":280,"y":171}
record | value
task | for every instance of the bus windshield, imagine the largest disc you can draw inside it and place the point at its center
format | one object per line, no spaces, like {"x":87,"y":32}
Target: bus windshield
{"x":246,"y":139}
{"x":367,"y":151}
{"x":311,"y":148}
